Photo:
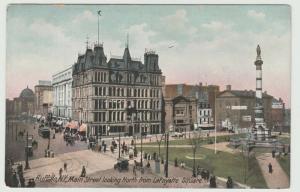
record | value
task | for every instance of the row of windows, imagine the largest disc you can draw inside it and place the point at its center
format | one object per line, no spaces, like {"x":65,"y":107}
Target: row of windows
{"x":116,"y":104}
{"x":100,"y":104}
{"x":205,"y":120}
{"x":120,"y":92}
{"x":119,"y":116}
{"x":100,"y":77}
{"x":116,"y":116}
{"x":81,"y":92}
{"x":145,"y":104}
{"x":100,"y":117}
{"x":205,"y":112}
{"x":154,"y":79}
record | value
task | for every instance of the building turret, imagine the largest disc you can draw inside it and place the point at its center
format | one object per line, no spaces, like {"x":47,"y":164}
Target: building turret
{"x":151,"y":61}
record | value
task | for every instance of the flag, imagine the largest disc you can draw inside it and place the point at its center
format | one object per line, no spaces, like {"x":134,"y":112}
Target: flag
{"x":99,"y":12}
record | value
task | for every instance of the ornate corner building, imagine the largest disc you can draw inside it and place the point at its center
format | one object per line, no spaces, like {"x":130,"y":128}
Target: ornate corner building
{"x":103,"y":91}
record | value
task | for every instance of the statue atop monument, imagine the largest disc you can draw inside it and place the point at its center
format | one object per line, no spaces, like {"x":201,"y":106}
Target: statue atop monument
{"x":258,"y":51}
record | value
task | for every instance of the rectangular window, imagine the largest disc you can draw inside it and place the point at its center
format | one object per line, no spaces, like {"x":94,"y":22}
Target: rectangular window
{"x":96,"y":104}
{"x":100,"y":91}
{"x":96,"y":91}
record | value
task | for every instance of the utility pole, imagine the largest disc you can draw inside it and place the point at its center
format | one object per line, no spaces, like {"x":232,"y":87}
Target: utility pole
{"x":215,"y":124}
{"x":27,"y":163}
{"x":16,"y":132}
{"x":48,"y":147}
{"x":119,"y":142}
{"x":141,"y":145}
{"x":167,"y":155}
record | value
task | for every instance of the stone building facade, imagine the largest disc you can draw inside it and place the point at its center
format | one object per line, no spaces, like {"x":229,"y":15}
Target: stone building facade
{"x":22,"y":105}
{"x":62,"y":94}
{"x":198,"y":100}
{"x":181,"y":113}
{"x":235,"y":108}
{"x":103,"y":91}
{"x":43,"y":97}
{"x":278,"y":113}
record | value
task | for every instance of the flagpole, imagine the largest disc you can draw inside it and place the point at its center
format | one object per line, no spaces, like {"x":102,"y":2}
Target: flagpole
{"x":98,"y":30}
{"x":99,"y":14}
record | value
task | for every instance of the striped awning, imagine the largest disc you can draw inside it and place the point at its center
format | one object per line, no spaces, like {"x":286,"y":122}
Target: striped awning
{"x":72,"y":125}
{"x":83,"y":127}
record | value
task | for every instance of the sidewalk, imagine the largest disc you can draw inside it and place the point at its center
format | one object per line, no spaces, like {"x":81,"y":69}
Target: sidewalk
{"x":92,"y":161}
{"x":277,"y":179}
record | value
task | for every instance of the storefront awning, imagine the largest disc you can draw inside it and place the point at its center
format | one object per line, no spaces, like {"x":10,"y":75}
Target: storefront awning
{"x":83,"y":127}
{"x":72,"y":125}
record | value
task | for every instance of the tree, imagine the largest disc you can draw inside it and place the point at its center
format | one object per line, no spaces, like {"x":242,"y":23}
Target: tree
{"x":195,"y":141}
{"x":159,"y":140}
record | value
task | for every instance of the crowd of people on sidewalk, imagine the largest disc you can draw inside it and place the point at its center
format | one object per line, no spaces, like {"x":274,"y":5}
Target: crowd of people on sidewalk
{"x":15,"y":176}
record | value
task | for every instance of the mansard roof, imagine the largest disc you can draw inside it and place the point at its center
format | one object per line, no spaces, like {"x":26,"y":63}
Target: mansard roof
{"x":97,"y":59}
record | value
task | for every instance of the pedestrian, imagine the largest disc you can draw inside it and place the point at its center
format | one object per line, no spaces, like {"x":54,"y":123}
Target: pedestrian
{"x":134,"y":170}
{"x":15,"y":181}
{"x":60,"y":172}
{"x":273,"y":153}
{"x":22,"y":180}
{"x":54,"y":136}
{"x":229,"y":183}
{"x":83,"y":172}
{"x":148,"y":164}
{"x":270,"y":168}
{"x":65,"y":166}
{"x":212,"y":182}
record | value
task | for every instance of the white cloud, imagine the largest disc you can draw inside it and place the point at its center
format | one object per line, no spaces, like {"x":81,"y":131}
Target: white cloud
{"x":85,"y":16}
{"x":178,"y":23}
{"x":256,"y":15}
{"x":216,"y":26}
{"x":47,"y":30}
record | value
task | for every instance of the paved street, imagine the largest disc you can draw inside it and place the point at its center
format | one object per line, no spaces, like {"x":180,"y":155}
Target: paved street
{"x":97,"y":164}
{"x":276,"y":179}
{"x":15,"y":145}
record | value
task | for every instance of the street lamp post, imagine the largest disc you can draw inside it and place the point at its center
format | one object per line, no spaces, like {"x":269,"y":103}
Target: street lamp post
{"x":27,"y":153}
{"x":167,"y":156}
{"x":119,"y":141}
{"x":141,"y":146}
{"x":16,"y":133}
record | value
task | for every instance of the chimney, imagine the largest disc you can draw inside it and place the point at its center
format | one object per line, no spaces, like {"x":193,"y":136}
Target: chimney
{"x":228,"y":87}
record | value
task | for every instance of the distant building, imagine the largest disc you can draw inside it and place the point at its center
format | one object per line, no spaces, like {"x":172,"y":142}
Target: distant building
{"x":181,"y":113}
{"x":102,"y":93}
{"x":22,"y":105}
{"x":43,"y":97}
{"x":9,"y":105}
{"x":234,"y":108}
{"x":198,"y":100}
{"x":278,"y":112}
{"x":287,"y":120}
{"x":62,"y":94}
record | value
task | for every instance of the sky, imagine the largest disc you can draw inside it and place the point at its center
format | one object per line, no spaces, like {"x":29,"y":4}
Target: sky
{"x":212,"y":44}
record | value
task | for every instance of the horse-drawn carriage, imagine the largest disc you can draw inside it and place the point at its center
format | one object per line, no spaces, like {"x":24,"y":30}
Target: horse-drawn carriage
{"x":69,"y":138}
{"x":122,"y":164}
{"x":44,"y":131}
